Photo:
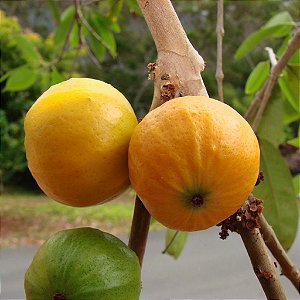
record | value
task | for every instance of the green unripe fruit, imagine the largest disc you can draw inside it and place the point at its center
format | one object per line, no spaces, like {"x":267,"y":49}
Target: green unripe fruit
{"x":83,"y":263}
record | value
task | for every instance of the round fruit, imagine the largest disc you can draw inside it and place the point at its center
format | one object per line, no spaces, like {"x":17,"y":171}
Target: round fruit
{"x":76,"y":138}
{"x":83,"y":263}
{"x":193,"y":161}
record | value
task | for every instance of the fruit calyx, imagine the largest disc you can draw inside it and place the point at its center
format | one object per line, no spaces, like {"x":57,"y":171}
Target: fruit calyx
{"x":59,"y":296}
{"x":197,"y":200}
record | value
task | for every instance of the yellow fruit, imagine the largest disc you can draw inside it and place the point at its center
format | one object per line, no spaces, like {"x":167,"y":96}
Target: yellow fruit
{"x":76,"y":138}
{"x":193,"y":161}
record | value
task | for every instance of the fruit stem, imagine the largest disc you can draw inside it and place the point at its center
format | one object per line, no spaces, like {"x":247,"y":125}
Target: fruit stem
{"x":139,"y":229}
{"x":197,"y":200}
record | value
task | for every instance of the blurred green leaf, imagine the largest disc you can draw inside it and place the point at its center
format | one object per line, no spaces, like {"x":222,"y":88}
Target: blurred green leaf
{"x":289,"y":83}
{"x":45,"y":80}
{"x":56,"y":77}
{"x":279,"y":26}
{"x":134,"y":7}
{"x":74,"y":36}
{"x":277,"y":191}
{"x":101,"y":25}
{"x":295,"y":141}
{"x":296,"y":182}
{"x":115,"y":9}
{"x":271,"y":125}
{"x":20,"y":79}
{"x":96,"y":47}
{"x":175,"y":242}
{"x":295,"y":59}
{"x":63,"y":28}
{"x":290,"y":114}
{"x":257,"y":77}
{"x":282,"y":18}
{"x":28,"y":51}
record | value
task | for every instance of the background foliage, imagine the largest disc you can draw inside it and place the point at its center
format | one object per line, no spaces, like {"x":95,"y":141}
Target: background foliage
{"x":45,"y":42}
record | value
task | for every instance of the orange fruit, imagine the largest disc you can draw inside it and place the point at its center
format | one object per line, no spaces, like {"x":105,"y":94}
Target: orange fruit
{"x":193,"y":161}
{"x":76,"y":138}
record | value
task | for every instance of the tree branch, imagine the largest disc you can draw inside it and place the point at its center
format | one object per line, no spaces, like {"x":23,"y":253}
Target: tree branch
{"x":139,"y":229}
{"x":263,"y":266}
{"x":262,"y":97}
{"x":246,"y":222}
{"x":178,"y":66}
{"x":288,"y":267}
{"x":220,"y":34}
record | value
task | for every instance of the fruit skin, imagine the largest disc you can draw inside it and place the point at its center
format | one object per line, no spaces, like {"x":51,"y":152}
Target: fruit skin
{"x":83,"y":263}
{"x":76,"y":139}
{"x":193,"y":161}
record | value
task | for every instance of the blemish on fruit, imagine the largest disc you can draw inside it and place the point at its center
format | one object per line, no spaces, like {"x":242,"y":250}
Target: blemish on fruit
{"x":59,"y":296}
{"x":197,"y":200}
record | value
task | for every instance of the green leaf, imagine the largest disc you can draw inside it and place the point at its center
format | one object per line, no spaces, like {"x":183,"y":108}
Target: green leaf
{"x":28,"y":51}
{"x":282,"y":18}
{"x":277,"y":191}
{"x":101,"y":25}
{"x":115,"y":9}
{"x":56,"y":77}
{"x":66,"y":21}
{"x":74,"y":36}
{"x":257,"y":77}
{"x":134,"y":7}
{"x":96,"y":47}
{"x":279,"y":26}
{"x":295,"y":141}
{"x":295,"y":59}
{"x":175,"y":242}
{"x":20,"y":79}
{"x":271,"y":125}
{"x":289,"y":84}
{"x":290,"y":114}
{"x":296,"y":182}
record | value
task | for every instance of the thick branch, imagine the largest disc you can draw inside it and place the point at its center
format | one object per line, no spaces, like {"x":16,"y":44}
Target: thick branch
{"x":139,"y":229}
{"x":178,"y":66}
{"x":287,"y":266}
{"x":220,"y":34}
{"x":262,"y":97}
{"x":263,"y":266}
{"x":246,"y":222}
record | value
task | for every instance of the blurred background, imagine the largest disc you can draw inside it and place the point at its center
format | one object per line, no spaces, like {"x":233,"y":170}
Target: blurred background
{"x":41,"y":45}
{"x":46,"y":42}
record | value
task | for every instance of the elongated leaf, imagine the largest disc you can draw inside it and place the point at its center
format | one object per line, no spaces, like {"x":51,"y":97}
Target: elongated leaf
{"x":102,"y":27}
{"x":295,"y":141}
{"x":296,"y":181}
{"x":271,"y":125}
{"x":289,"y":84}
{"x":277,"y":191}
{"x":116,"y":7}
{"x":74,"y":36}
{"x":257,"y":77}
{"x":279,"y":26}
{"x":175,"y":242}
{"x":134,"y":7}
{"x":64,"y":26}
{"x":28,"y":51}
{"x":282,"y":18}
{"x":20,"y":79}
{"x":295,"y":59}
{"x":96,"y":47}
{"x":290,"y":114}
{"x":56,"y":77}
